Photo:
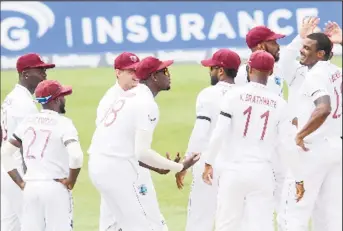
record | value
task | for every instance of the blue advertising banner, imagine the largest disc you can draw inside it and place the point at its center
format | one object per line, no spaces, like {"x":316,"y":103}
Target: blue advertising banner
{"x":62,"y":28}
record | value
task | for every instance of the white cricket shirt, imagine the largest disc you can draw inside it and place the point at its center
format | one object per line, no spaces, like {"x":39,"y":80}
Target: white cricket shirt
{"x":43,"y":135}
{"x":207,"y":110}
{"x":111,"y":94}
{"x":256,"y":117}
{"x":322,"y":79}
{"x":17,"y":105}
{"x":133,"y":110}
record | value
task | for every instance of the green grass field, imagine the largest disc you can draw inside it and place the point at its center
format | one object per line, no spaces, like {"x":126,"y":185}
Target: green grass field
{"x":177,"y":115}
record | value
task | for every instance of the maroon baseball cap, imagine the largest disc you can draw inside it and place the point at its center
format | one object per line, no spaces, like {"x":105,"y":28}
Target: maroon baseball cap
{"x":125,"y":61}
{"x":260,"y":34}
{"x":261,"y":61}
{"x":31,"y":60}
{"x":150,"y":65}
{"x":223,"y":58}
{"x":51,"y":89}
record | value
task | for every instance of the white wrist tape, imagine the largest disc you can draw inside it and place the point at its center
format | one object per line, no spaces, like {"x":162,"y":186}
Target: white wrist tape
{"x":75,"y":155}
{"x":150,"y":157}
{"x":7,"y":158}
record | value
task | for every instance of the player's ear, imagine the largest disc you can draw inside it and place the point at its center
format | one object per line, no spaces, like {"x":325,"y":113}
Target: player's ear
{"x":153,"y":77}
{"x":118,"y":72}
{"x":270,"y":72}
{"x":261,"y":46}
{"x":321,"y":54}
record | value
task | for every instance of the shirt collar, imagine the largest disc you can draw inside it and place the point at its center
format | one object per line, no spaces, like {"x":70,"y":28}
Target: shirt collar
{"x":48,"y":111}
{"x":23,"y":89}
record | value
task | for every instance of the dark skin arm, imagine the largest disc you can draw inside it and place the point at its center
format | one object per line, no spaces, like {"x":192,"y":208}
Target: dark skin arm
{"x":73,"y":173}
{"x":158,"y":170}
{"x":14,"y":174}
{"x":318,"y":117}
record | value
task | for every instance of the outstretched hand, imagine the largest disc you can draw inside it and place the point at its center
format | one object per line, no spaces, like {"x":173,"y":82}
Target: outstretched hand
{"x":334,"y":32}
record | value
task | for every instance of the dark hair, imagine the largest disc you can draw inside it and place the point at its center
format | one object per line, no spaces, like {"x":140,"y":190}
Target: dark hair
{"x":323,"y":43}
{"x":230,"y":72}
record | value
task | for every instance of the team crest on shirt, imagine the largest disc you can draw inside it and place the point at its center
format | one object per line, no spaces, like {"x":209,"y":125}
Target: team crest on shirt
{"x":278,"y":80}
{"x":142,"y":189}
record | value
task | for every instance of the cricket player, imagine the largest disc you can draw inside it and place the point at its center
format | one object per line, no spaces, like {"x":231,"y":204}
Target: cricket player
{"x":319,"y":134}
{"x":124,"y":66}
{"x":53,"y":156}
{"x":123,"y":138}
{"x":223,"y":66}
{"x":254,"y":119}
{"x":17,"y":105}
{"x":286,"y":68}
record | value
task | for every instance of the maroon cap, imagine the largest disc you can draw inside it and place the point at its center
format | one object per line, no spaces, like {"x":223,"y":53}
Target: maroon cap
{"x":125,"y":61}
{"x":223,"y":58}
{"x":261,"y":60}
{"x":51,"y":89}
{"x":150,"y":65}
{"x":31,"y":60}
{"x":260,"y":34}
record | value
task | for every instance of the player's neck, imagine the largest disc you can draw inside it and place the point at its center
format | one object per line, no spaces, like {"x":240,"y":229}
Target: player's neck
{"x":228,"y":80}
{"x":259,"y":81}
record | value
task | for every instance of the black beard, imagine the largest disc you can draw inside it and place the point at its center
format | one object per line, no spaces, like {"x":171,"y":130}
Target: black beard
{"x":214,"y":80}
{"x":62,"y":109}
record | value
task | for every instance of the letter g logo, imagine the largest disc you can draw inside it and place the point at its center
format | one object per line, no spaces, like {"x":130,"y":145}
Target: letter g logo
{"x":14,"y":36}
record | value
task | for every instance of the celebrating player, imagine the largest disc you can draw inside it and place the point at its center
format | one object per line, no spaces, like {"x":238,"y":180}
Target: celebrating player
{"x":319,"y":112}
{"x":17,"y":105}
{"x":122,"y":138}
{"x":53,"y":157}
{"x":253,"y":119}
{"x":202,"y":199}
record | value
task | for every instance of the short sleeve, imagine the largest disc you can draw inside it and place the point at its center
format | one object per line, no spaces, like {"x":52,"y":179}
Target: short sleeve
{"x":69,"y":132}
{"x":314,"y":86}
{"x":147,"y":116}
{"x":19,"y":130}
{"x":227,"y":104}
{"x":203,"y":106}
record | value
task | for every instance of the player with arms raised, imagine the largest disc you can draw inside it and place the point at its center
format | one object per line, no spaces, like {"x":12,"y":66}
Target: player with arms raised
{"x":122,"y":139}
{"x":254,"y":120}
{"x":17,"y":105}
{"x":53,"y":157}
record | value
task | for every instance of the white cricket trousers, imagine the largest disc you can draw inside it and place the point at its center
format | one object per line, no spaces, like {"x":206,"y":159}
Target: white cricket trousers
{"x":11,"y":203}
{"x":125,"y":192}
{"x":107,"y":220}
{"x":246,"y":189}
{"x":323,"y":191}
{"x":202,"y":201}
{"x":47,"y":206}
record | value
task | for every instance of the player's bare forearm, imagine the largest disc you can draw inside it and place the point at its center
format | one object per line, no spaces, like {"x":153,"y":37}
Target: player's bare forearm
{"x":318,"y":117}
{"x":73,"y":174}
{"x":14,"y":174}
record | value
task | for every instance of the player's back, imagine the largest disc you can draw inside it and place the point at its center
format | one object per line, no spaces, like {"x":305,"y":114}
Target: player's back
{"x":43,"y":136}
{"x":255,"y":112}
{"x":115,"y":134}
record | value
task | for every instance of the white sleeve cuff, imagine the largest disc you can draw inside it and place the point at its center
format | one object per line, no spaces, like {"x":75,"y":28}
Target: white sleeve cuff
{"x":75,"y":155}
{"x":148,"y":156}
{"x":7,"y":151}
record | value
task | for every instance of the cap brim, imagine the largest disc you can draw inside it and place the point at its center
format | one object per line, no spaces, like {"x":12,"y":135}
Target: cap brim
{"x":208,"y":63}
{"x":132,"y":66}
{"x":67,"y":90}
{"x":275,"y":37}
{"x":165,"y":64}
{"x":44,"y":65}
